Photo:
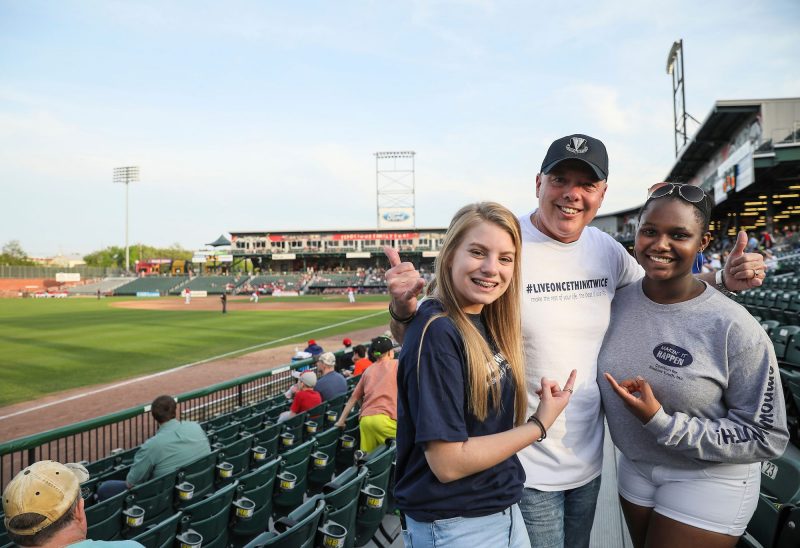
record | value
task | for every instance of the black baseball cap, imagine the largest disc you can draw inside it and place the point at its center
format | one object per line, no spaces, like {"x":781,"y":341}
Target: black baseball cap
{"x":381,"y":345}
{"x":581,"y":147}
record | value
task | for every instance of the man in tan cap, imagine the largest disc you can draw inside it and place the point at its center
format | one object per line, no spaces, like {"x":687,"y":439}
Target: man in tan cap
{"x":43,"y":507}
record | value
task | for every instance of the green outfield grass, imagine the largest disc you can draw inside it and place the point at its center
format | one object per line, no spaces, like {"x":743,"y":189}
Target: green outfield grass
{"x":47,"y":345}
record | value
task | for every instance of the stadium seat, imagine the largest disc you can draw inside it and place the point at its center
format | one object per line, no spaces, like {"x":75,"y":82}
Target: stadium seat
{"x":297,"y":530}
{"x":226,"y":434}
{"x":257,"y":485}
{"x":241,"y":413}
{"x":238,"y":453}
{"x":327,"y":444}
{"x":780,"y":339}
{"x":5,"y":542}
{"x":349,"y":443}
{"x":217,"y":422}
{"x":295,"y":427}
{"x":160,"y":535}
{"x":336,"y":404}
{"x":211,"y":516}
{"x":275,"y":411}
{"x":374,"y":495}
{"x":780,"y":494}
{"x":769,"y":325}
{"x":267,"y":438}
{"x":292,"y":478}
{"x":253,"y":423}
{"x":202,"y":474}
{"x":341,"y":499}
{"x":781,"y":306}
{"x":155,"y":497}
{"x":104,"y":519}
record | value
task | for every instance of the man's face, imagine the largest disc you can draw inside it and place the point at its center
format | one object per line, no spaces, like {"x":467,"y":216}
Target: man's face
{"x":569,"y":197}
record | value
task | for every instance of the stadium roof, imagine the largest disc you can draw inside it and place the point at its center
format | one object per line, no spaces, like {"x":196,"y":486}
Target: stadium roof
{"x":340,"y":230}
{"x":222,"y":240}
{"x":714,"y":132}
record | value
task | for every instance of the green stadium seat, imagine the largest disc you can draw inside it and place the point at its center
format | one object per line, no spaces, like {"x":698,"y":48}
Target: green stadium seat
{"x":327,"y":444}
{"x":341,"y":499}
{"x":780,"y":493}
{"x":297,"y":530}
{"x":155,"y":497}
{"x":241,"y":413}
{"x":292,"y":478}
{"x":375,"y":494}
{"x":275,"y":411}
{"x":781,"y":337}
{"x":104,"y":519}
{"x":202,"y":474}
{"x":211,"y":516}
{"x":253,"y":423}
{"x":226,"y":434}
{"x":267,"y":438}
{"x":769,"y":325}
{"x":160,"y":535}
{"x":349,"y":442}
{"x":779,"y":310}
{"x":217,"y":422}
{"x":293,"y":426}
{"x":257,"y":485}
{"x":238,"y":453}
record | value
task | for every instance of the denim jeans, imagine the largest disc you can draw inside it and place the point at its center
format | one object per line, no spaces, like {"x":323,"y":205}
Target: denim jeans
{"x":504,"y":528}
{"x":560,"y":519}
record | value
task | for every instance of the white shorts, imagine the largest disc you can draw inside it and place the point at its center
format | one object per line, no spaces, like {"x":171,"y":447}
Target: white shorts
{"x":720,"y":498}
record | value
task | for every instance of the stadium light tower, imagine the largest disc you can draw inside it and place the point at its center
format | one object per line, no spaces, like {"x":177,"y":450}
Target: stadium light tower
{"x":126,"y":175}
{"x":675,"y":68}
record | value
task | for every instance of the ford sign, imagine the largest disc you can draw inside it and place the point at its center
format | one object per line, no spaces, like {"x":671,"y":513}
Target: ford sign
{"x":396,"y":216}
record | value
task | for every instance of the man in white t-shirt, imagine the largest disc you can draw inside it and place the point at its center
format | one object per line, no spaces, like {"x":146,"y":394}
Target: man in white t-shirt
{"x":570,"y":272}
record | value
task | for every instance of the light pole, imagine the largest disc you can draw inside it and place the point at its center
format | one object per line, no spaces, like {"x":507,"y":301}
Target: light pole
{"x":126,"y":175}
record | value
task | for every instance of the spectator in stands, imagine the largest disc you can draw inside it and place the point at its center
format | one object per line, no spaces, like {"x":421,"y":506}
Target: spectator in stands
{"x":344,"y":361}
{"x":694,"y":431}
{"x":462,"y":401}
{"x":305,"y":397}
{"x":330,"y":383}
{"x":175,"y":444}
{"x":560,"y":249}
{"x":43,"y":507}
{"x":377,"y":392}
{"x":313,"y":348}
{"x":361,"y":360}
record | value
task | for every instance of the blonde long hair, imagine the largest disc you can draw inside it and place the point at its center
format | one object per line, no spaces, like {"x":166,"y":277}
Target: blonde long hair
{"x":501,"y":318}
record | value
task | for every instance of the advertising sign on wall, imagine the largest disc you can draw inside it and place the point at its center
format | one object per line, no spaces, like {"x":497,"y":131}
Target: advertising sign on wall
{"x":735,"y":173}
{"x":395,"y":217}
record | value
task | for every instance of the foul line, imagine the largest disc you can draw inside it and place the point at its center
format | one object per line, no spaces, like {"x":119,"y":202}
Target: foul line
{"x":187,"y":365}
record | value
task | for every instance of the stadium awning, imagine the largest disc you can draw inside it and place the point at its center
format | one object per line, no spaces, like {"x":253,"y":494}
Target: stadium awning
{"x":222,"y":240}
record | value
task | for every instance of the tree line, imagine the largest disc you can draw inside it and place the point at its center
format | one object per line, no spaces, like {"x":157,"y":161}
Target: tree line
{"x":112,"y":256}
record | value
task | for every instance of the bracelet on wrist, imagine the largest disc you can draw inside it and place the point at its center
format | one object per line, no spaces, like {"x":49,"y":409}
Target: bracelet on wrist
{"x":398,"y":319}
{"x":719,"y":279}
{"x":535,"y":420}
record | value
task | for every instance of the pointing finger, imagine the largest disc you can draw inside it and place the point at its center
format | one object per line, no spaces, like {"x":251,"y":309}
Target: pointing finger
{"x":391,"y":254}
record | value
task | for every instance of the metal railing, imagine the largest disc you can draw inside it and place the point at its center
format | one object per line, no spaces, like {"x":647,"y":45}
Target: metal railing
{"x":96,"y":438}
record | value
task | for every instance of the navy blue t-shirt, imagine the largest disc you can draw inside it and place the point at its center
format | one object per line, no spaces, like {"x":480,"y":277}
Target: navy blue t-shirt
{"x":436,"y":408}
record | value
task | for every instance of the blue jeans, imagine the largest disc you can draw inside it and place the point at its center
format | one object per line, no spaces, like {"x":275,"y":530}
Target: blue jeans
{"x":560,"y":519}
{"x":504,"y":528}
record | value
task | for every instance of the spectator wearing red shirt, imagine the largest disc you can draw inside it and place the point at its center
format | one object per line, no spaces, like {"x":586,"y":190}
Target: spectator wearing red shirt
{"x":362,"y":362}
{"x":305,"y":397}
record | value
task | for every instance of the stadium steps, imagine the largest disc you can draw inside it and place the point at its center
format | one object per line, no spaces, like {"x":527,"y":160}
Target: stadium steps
{"x":162,"y":285}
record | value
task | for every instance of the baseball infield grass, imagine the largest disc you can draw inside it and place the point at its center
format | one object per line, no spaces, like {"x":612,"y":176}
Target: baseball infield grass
{"x":48,"y":345}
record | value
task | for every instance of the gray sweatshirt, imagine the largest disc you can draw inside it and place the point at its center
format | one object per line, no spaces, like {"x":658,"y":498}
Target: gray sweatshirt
{"x":713,"y":369}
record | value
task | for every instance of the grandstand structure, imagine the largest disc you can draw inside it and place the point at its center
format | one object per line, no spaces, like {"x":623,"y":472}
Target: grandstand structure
{"x":746,"y":156}
{"x":331,"y":250}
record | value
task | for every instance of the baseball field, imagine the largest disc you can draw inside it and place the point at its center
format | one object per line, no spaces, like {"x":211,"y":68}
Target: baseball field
{"x":50,"y":345}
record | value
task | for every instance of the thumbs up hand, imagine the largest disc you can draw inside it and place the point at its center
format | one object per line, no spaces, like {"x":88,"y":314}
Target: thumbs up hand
{"x":744,"y":270}
{"x":404,"y":283}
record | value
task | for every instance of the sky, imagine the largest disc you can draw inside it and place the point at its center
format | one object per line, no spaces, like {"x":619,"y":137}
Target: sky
{"x":258,"y":115}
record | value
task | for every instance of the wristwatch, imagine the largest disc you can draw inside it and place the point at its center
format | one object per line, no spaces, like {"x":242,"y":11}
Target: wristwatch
{"x":719,"y":283}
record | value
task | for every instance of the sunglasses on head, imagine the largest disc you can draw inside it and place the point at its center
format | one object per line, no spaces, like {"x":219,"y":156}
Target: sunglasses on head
{"x":690,"y":193}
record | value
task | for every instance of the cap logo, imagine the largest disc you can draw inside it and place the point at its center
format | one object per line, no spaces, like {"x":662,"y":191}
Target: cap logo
{"x":577,"y":145}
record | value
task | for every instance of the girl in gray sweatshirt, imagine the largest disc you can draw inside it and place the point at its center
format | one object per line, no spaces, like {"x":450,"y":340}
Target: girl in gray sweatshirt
{"x":690,"y":387}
